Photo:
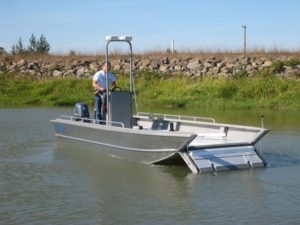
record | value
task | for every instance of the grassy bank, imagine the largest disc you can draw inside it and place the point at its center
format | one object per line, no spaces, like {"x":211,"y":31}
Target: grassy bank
{"x":263,"y":91}
{"x":26,"y":91}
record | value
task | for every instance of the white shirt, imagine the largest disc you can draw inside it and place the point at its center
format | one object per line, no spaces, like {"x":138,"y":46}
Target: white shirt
{"x":100,"y":78}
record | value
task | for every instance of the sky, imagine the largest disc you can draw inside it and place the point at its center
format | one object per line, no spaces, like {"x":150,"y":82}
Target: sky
{"x":194,"y":25}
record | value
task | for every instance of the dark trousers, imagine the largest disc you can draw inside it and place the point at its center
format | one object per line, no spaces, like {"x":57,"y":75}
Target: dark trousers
{"x":100,"y":108}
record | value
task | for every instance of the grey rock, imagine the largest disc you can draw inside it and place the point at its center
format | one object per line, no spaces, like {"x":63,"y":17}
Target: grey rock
{"x":32,"y":72}
{"x":11,"y":67}
{"x":82,"y":71}
{"x":94,"y":66}
{"x":221,"y":64}
{"x":57,"y":73}
{"x":194,"y":65}
{"x":175,"y":61}
{"x":177,"y":68}
{"x":146,"y":62}
{"x":216,"y":70}
{"x":164,"y":68}
{"x":21,"y":62}
{"x":249,"y":68}
{"x":208,"y":65}
{"x":69,"y":73}
{"x":267,"y":63}
{"x":31,"y":65}
{"x":117,"y":67}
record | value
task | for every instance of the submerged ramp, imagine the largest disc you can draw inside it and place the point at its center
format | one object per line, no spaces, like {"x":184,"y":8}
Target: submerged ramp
{"x":220,"y":159}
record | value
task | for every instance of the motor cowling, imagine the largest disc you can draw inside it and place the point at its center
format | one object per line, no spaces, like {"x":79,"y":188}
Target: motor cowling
{"x":81,"y":110}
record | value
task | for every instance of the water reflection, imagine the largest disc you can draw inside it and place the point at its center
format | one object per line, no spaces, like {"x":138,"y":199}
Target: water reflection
{"x":125,"y":191}
{"x":132,"y":193}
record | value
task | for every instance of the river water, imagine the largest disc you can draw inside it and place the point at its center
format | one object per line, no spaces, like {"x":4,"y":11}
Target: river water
{"x":42,"y":182}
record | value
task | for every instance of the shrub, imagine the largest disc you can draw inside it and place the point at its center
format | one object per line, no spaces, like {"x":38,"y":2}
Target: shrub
{"x":292,"y":62}
{"x":2,"y":51}
{"x":35,"y":46}
{"x":18,"y":49}
{"x":277,"y":67}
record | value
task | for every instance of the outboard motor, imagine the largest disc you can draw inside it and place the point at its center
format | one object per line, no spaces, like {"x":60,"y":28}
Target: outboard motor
{"x":81,"y":110}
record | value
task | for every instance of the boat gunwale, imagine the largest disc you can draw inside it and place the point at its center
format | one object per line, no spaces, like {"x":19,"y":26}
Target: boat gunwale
{"x":124,"y":129}
{"x":206,"y":124}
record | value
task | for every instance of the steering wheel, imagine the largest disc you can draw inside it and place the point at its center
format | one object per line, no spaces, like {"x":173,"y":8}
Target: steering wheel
{"x":116,"y":88}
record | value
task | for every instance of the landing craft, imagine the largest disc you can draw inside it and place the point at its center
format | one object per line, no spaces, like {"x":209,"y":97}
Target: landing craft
{"x":152,"y":138}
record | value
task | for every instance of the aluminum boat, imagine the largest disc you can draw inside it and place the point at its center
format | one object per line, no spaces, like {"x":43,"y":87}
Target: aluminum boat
{"x":200,"y":143}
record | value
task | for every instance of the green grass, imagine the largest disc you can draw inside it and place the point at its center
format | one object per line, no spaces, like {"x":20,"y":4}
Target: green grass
{"x":264,"y":91}
{"x":52,"y":92}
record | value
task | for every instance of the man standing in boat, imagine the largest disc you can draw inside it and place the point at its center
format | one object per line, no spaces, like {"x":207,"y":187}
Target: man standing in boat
{"x":99,"y":84}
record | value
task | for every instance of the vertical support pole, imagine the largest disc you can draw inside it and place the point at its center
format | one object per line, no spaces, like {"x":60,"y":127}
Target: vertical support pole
{"x":262,"y":126}
{"x":107,"y":88}
{"x":131,"y":79}
{"x":245,"y":39}
{"x":132,"y":84}
{"x":131,"y":75}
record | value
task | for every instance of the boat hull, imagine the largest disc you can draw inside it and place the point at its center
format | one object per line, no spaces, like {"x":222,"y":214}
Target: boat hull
{"x":202,"y":146}
{"x":133,"y":145}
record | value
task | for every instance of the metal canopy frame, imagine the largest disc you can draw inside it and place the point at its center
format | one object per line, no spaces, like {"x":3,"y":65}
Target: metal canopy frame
{"x":128,"y":40}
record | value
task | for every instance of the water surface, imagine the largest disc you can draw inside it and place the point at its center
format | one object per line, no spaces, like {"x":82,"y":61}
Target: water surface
{"x":45,"y":182}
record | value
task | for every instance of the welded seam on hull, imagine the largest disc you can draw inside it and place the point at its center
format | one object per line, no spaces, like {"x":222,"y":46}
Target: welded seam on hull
{"x":117,"y":146}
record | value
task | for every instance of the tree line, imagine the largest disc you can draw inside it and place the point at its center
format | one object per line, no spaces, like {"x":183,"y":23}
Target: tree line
{"x":35,"y":46}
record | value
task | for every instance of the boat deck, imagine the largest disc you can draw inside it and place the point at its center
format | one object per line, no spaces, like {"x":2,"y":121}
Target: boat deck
{"x":204,"y":141}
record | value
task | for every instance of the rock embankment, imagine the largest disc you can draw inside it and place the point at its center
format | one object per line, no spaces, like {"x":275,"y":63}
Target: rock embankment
{"x":189,"y":66}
